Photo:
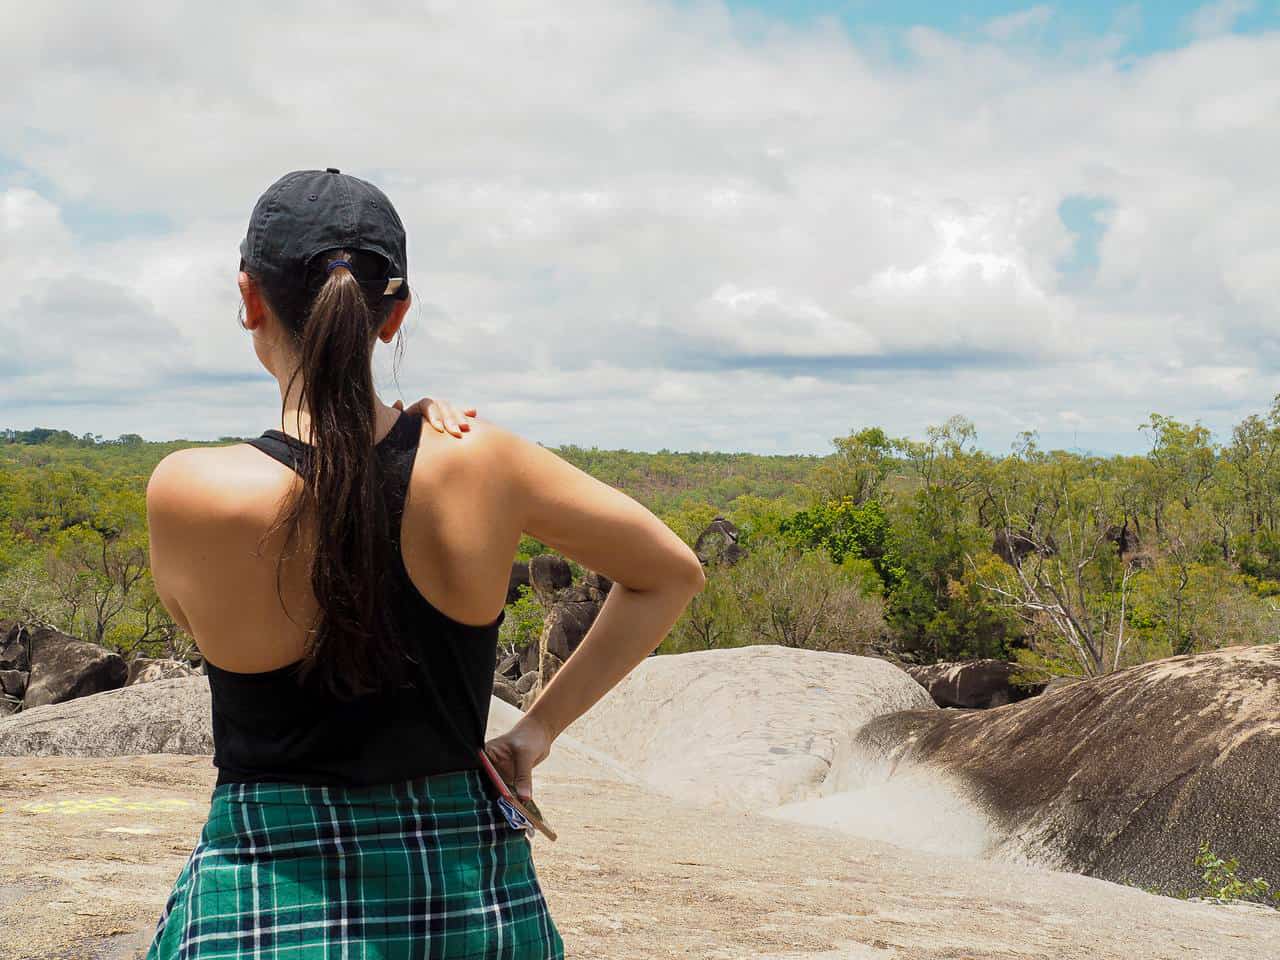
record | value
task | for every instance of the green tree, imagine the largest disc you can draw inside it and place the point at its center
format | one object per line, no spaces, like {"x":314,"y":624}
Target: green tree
{"x":857,"y":470}
{"x":805,"y":600}
{"x":713,"y":618}
{"x":522,"y":624}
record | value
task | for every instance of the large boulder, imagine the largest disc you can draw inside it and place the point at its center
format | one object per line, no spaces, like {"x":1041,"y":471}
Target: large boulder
{"x":14,"y":641}
{"x":504,"y":690}
{"x":596,"y":585}
{"x":527,"y":682}
{"x":1121,"y":777}
{"x":718,"y":543}
{"x":146,"y":670}
{"x":13,"y":683}
{"x":519,"y":578}
{"x":549,"y":573}
{"x":748,"y":727}
{"x":972,"y":684}
{"x":64,"y":668}
{"x":550,"y":664}
{"x":167,"y":716}
{"x":571,"y":608}
{"x":566,"y":624}
{"x":509,"y":666}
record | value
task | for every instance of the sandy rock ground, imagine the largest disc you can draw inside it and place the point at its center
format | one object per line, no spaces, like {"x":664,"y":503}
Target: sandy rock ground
{"x":89,"y":848}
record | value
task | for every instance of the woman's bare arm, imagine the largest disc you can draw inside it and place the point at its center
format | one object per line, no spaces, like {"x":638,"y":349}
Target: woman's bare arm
{"x":655,"y":575}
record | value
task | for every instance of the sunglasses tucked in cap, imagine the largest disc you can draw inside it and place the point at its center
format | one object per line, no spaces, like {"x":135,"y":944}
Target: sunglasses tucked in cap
{"x":309,"y":212}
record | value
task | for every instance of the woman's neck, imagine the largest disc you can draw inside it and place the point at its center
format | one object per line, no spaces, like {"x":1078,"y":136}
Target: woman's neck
{"x":297,"y":419}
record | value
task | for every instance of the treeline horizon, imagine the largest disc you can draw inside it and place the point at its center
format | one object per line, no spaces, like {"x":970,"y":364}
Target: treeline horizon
{"x":917,"y":550}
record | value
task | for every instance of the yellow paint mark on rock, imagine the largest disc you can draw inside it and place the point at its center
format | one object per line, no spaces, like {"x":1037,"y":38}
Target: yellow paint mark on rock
{"x":77,"y":805}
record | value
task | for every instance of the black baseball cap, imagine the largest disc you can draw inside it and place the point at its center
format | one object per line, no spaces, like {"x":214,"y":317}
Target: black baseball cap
{"x":308,"y":212}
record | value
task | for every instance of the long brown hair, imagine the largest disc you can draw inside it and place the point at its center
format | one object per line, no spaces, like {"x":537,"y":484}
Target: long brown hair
{"x":350,"y":649}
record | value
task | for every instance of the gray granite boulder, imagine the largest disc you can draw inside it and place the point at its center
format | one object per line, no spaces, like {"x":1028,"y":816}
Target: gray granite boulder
{"x":64,"y":668}
{"x":14,"y":641}
{"x":718,"y":543}
{"x":167,"y":716}
{"x":971,"y":684}
{"x":526,"y":682}
{"x":549,"y":573}
{"x":509,"y":666}
{"x":13,"y":683}
{"x":147,"y":670}
{"x":519,"y":578}
{"x":1120,"y":777}
{"x":750,"y":727}
{"x":504,"y":690}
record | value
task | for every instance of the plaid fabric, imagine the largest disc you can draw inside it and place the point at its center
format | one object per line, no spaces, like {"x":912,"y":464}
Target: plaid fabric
{"x":421,"y":869}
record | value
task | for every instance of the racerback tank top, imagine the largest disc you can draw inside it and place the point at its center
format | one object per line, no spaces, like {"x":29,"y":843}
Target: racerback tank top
{"x":267,"y":727}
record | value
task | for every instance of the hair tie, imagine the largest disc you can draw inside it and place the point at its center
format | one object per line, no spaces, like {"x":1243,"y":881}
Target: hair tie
{"x":338,"y":263}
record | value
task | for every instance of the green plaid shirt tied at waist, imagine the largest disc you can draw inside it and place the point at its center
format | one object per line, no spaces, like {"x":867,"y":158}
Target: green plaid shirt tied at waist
{"x":415,"y":870}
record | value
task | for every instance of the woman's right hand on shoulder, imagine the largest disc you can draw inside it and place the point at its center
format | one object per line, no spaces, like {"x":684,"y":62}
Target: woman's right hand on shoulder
{"x":515,"y":753}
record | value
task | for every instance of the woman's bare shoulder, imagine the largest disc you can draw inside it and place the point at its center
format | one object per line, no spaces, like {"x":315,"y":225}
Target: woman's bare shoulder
{"x":211,"y":482}
{"x":484,"y":446}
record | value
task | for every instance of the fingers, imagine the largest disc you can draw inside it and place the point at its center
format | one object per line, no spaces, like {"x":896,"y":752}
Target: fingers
{"x":523,"y":783}
{"x":420,"y":407}
{"x":446,"y":418}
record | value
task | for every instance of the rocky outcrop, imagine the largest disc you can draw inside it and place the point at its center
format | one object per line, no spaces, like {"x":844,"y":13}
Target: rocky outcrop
{"x":519,"y":578}
{"x":550,"y":664}
{"x":971,"y":684}
{"x":509,"y":666}
{"x":506,"y":691}
{"x":146,"y":670}
{"x":15,"y":665}
{"x":1122,"y":776}
{"x":747,"y":727}
{"x":549,"y":573}
{"x":13,"y":683}
{"x":718,"y":543}
{"x":527,"y":682}
{"x":14,"y":652}
{"x":595,"y":585}
{"x":565,"y":625}
{"x":1012,"y":545}
{"x":64,"y":668}
{"x":167,"y":716}
{"x":571,"y":609}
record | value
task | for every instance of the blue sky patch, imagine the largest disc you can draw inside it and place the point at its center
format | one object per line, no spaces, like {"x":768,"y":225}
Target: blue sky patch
{"x":1085,"y":217}
{"x":1145,"y":27}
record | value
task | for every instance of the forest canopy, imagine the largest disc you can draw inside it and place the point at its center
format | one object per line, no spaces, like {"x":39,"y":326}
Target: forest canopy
{"x":918,"y":550}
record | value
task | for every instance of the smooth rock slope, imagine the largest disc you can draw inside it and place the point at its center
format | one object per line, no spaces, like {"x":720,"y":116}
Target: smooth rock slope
{"x":1119,"y":777}
{"x":747,"y":727}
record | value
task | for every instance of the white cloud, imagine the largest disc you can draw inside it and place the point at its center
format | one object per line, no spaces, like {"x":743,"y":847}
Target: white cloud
{"x":1214,"y":19}
{"x":623,"y":210}
{"x":1022,"y":23}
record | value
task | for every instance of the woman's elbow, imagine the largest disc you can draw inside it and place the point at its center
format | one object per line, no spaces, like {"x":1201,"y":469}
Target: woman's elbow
{"x":692,"y":576}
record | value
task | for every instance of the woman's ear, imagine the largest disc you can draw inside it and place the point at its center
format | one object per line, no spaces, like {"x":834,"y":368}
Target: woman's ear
{"x":254,"y":308}
{"x":391,"y":326}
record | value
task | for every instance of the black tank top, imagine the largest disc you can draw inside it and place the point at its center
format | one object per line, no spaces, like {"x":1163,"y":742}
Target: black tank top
{"x":266,"y":727}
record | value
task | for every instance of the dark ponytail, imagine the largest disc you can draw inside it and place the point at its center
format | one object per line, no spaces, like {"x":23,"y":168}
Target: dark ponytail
{"x":350,"y":649}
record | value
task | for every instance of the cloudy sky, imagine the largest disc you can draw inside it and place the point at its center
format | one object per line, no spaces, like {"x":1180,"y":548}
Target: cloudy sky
{"x":694,"y":225}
